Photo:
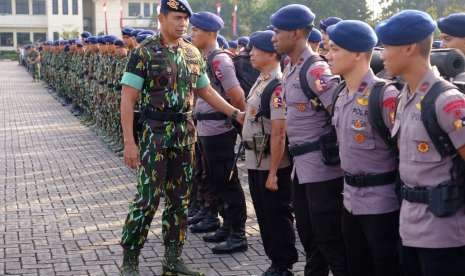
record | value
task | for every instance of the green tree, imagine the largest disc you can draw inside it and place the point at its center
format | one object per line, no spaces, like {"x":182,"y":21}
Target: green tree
{"x":437,"y":8}
{"x":254,"y":15}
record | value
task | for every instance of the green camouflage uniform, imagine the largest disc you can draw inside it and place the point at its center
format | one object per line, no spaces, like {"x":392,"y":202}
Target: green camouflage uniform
{"x":166,"y":78}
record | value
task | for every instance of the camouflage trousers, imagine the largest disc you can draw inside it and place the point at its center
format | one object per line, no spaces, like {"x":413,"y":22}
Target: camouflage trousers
{"x":170,"y":170}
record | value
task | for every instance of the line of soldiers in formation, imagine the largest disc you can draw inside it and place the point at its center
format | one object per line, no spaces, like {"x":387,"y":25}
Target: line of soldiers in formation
{"x":343,"y":193}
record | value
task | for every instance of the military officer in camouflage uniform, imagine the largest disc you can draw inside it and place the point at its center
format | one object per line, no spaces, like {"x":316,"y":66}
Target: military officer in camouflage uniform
{"x":163,"y":73}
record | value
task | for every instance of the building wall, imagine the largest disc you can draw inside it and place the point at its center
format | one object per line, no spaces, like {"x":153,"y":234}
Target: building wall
{"x":64,"y":23}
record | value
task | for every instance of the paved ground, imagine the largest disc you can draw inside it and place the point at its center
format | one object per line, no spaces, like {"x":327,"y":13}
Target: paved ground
{"x":64,"y":196}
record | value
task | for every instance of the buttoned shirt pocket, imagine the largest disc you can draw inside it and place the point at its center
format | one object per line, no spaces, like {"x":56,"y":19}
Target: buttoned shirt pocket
{"x":361,"y":138}
{"x":421,"y":148}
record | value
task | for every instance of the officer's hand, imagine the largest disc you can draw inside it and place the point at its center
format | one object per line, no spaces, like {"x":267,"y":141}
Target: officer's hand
{"x":131,"y":156}
{"x":240,"y":118}
{"x":272,"y":183}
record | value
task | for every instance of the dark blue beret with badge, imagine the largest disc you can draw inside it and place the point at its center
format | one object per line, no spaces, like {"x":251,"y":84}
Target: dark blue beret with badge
{"x":292,"y":17}
{"x":92,"y":39}
{"x":233,"y":44}
{"x":207,"y":21}
{"x":222,"y":42}
{"x":325,"y":23}
{"x":406,"y":27}
{"x":314,"y":36}
{"x":243,"y":41}
{"x":135,"y":32}
{"x":344,"y":32}
{"x":127,"y":31}
{"x":119,"y":42}
{"x":176,"y":5}
{"x":453,"y":25}
{"x":262,"y":41}
{"x":85,"y":34}
{"x":142,"y":36}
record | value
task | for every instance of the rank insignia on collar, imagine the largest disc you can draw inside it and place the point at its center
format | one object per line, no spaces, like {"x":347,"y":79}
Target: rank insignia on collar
{"x":423,"y":147}
{"x":418,"y":105}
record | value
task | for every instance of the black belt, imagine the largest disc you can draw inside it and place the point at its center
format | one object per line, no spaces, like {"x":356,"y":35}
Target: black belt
{"x":361,"y":181}
{"x":418,"y":194}
{"x":304,"y":148}
{"x":176,"y":117}
{"x":215,"y":116}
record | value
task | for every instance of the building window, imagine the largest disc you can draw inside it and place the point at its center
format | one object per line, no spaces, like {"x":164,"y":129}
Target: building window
{"x":146,"y":9}
{"x":154,"y":7}
{"x":23,"y":38}
{"x":5,"y":6}
{"x":134,"y":9}
{"x":38,"y":7}
{"x":55,"y":6}
{"x":39,"y":37}
{"x":75,"y":7}
{"x":22,"y":7}
{"x":56,"y":36}
{"x":6,"y":40}
{"x":65,"y":6}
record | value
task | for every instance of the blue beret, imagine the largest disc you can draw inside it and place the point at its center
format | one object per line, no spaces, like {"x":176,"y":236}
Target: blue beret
{"x":222,"y":42}
{"x":62,"y":42}
{"x":135,"y":32}
{"x":243,"y":41}
{"x":56,"y":43}
{"x":92,"y":39}
{"x":262,"y":41}
{"x":343,"y":34}
{"x":207,"y":21}
{"x":85,"y":34}
{"x":127,"y":31}
{"x":176,"y":5}
{"x":119,"y":42}
{"x":406,"y":27}
{"x":325,"y":23}
{"x":101,"y":39}
{"x":110,"y":39}
{"x":269,"y":28}
{"x":150,"y":32}
{"x":66,"y":49}
{"x":292,"y":17}
{"x":79,"y":44}
{"x":314,"y":36}
{"x":72,"y":41}
{"x":233,"y":44}
{"x":142,"y":37}
{"x":453,"y":25}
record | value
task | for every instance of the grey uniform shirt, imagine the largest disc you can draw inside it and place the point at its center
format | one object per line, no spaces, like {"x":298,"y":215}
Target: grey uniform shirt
{"x":225,"y":73}
{"x":362,"y":150}
{"x":251,"y":127}
{"x":422,"y":166}
{"x":303,"y":122}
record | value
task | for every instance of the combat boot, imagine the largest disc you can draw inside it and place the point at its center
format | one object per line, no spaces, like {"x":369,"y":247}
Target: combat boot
{"x":209,"y":223}
{"x":130,"y":265}
{"x":220,"y":235}
{"x":236,"y":242}
{"x":198,"y":216}
{"x":173,"y":265}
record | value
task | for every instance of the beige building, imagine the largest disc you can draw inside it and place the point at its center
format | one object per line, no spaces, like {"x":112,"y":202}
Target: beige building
{"x":25,"y":21}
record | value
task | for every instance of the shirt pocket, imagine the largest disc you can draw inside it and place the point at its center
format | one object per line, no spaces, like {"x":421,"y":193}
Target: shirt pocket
{"x":361,"y":139}
{"x":420,"y":147}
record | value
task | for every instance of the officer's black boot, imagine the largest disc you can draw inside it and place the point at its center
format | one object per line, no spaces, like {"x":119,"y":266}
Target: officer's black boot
{"x":130,"y":265}
{"x":173,"y":265}
{"x":198,"y":216}
{"x":220,"y":235}
{"x":209,"y":223}
{"x":236,"y":242}
{"x":275,"y":271}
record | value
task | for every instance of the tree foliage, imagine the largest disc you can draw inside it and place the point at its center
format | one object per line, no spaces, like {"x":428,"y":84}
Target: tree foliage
{"x":254,"y":15}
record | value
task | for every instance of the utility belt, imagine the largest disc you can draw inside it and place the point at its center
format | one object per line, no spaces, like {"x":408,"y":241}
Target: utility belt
{"x":214,"y":116}
{"x":328,"y":146}
{"x":372,"y":180}
{"x":443,"y":200}
{"x":176,"y":117}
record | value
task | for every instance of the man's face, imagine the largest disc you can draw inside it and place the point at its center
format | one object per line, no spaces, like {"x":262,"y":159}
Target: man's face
{"x":260,"y":58}
{"x":453,"y":42}
{"x":394,"y":59}
{"x":174,"y":24}
{"x":283,"y":41}
{"x":199,"y":37}
{"x":340,"y":60}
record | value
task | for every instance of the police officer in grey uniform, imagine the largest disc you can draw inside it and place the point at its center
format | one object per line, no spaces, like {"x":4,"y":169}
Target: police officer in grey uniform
{"x":309,"y":88}
{"x":453,"y":31}
{"x":267,"y":159}
{"x":370,"y":219}
{"x":218,"y":136}
{"x":432,"y":215}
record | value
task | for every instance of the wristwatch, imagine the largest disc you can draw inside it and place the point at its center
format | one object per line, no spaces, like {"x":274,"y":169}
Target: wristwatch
{"x":234,"y":114}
